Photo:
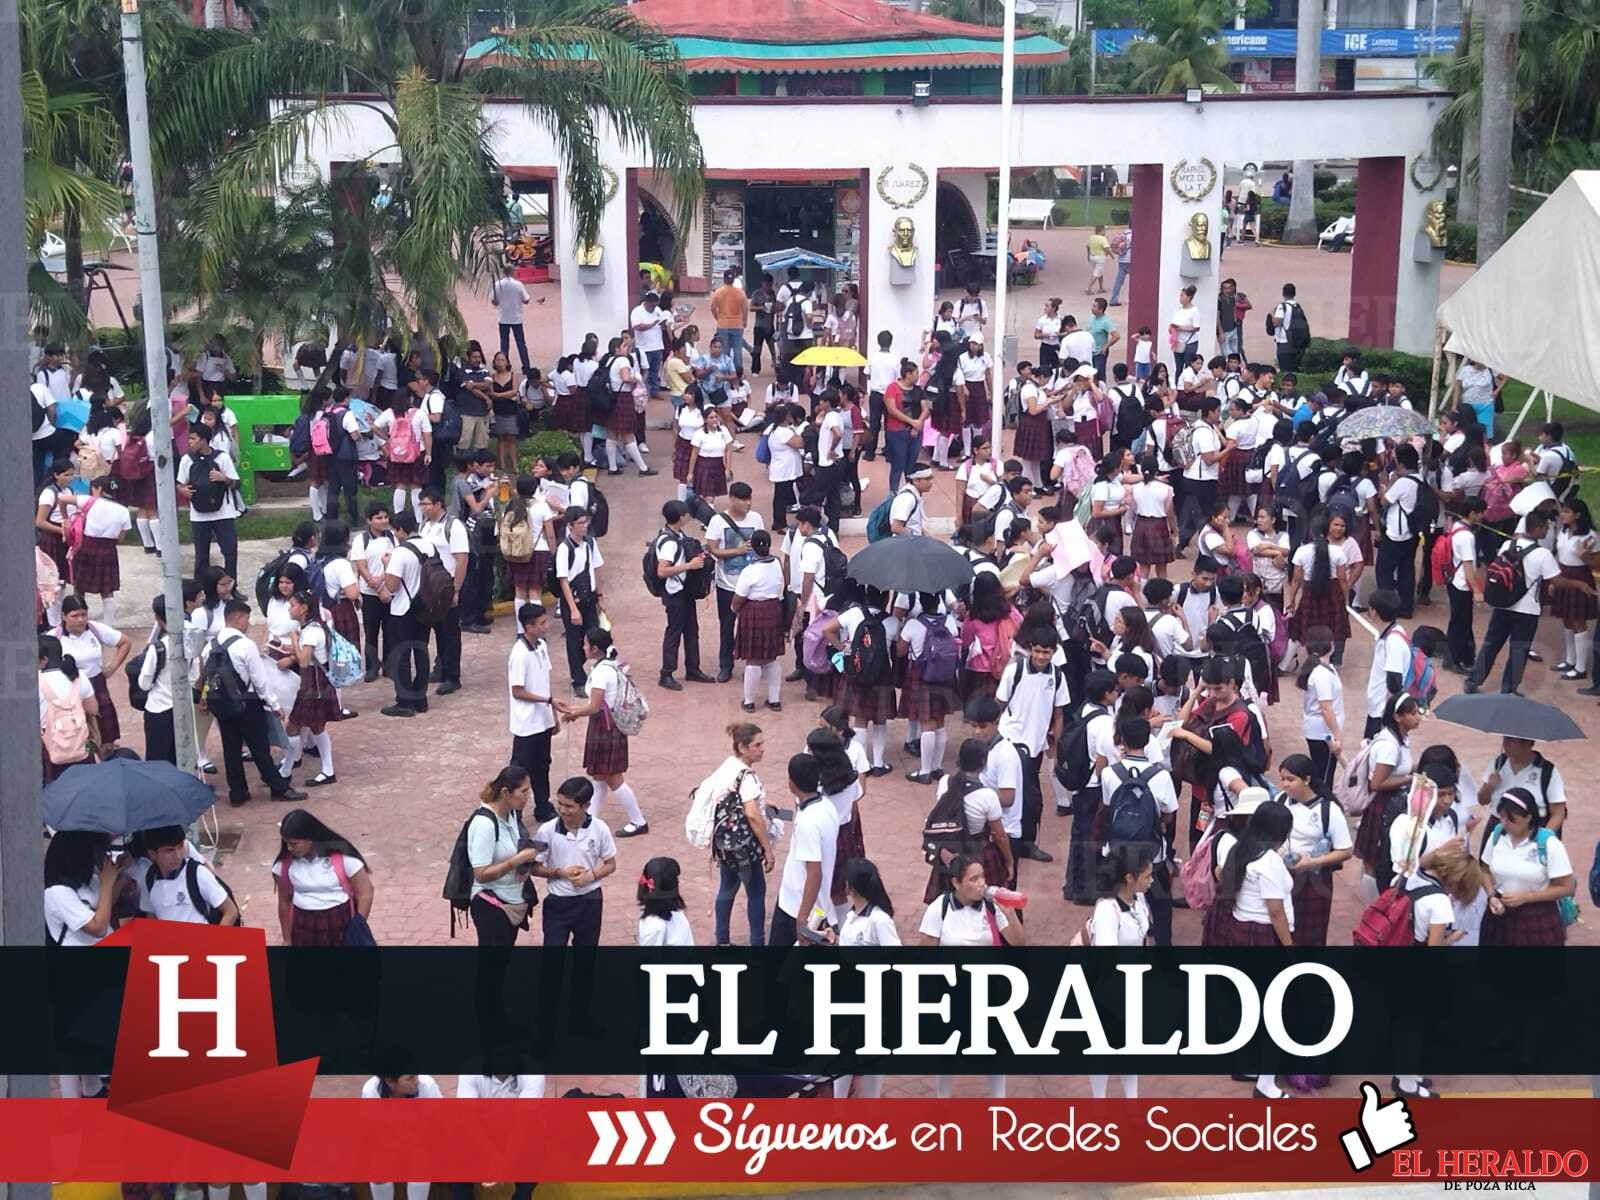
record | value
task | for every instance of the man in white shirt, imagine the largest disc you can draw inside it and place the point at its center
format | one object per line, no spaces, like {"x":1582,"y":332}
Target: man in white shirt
{"x":1463,"y":584}
{"x":883,"y":368}
{"x":1002,"y":773}
{"x":1034,"y":693}
{"x":673,"y":562}
{"x":1519,"y":622}
{"x":1199,"y":489}
{"x":728,"y":541}
{"x":174,"y":886}
{"x":448,"y":538}
{"x":248,"y":725}
{"x":1391,"y":659}
{"x":1076,"y":342}
{"x":1281,"y":322}
{"x":648,"y":321}
{"x":1402,"y":526}
{"x":532,"y":716}
{"x":509,"y":297}
{"x":210,"y":482}
{"x":42,"y":407}
{"x":1133,"y":739}
{"x":578,"y":851}
{"x":808,"y":871}
{"x":906,"y":510}
{"x":405,"y":637}
{"x":578,"y":563}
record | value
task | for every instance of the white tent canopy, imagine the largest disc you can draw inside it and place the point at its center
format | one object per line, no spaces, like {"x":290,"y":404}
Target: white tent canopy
{"x":1533,"y":310}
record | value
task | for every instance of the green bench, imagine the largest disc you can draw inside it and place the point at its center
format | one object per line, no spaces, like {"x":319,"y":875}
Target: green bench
{"x":254,"y":411}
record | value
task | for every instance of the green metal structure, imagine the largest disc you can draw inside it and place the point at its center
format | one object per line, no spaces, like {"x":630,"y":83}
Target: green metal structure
{"x":254,"y":412}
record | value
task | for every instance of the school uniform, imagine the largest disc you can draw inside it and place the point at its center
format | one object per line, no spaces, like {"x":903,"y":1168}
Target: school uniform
{"x":1246,"y":921}
{"x":86,"y":648}
{"x":727,"y":532}
{"x":373,"y":552}
{"x":683,"y":618}
{"x":690,"y":421}
{"x":1518,"y":623}
{"x":1164,"y":791}
{"x":219,"y":525}
{"x":980,"y":807}
{"x":449,"y":540}
{"x":710,"y":479}
{"x":321,"y":898}
{"x":1152,"y":538}
{"x":1313,"y":890}
{"x":166,"y":897}
{"x":317,"y":700}
{"x":928,"y":703}
{"x":577,"y":564}
{"x":532,"y":723}
{"x":95,"y":569}
{"x":1030,"y":698}
{"x":760,"y":632}
{"x":1323,"y":685}
{"x":1397,"y":552}
{"x":1084,"y":846}
{"x":407,"y":638}
{"x":1516,"y":869}
{"x":572,"y":912}
{"x":869,"y":705}
{"x":249,"y":728}
{"x":1325,"y":606}
{"x":815,"y":840}
{"x":605,"y":747}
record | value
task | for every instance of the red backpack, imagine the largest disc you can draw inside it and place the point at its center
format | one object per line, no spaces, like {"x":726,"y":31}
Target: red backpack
{"x":1387,"y":920}
{"x":133,"y":461}
{"x":1443,"y":559}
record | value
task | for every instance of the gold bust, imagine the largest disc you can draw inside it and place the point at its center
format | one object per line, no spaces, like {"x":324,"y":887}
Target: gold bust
{"x":903,"y":249}
{"x":1198,"y":243}
{"x":1433,"y":223}
{"x":588,"y":254}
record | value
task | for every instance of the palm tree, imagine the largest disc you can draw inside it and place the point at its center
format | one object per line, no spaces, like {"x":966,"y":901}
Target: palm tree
{"x":579,"y":67}
{"x":1185,"y":50}
{"x":1500,"y":24}
{"x":1301,"y":226}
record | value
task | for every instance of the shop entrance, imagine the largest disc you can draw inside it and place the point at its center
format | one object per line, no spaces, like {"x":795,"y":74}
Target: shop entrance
{"x":778,"y":216}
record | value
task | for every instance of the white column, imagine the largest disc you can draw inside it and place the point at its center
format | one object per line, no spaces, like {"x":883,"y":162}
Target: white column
{"x":585,"y":306}
{"x":1175,"y":215}
{"x":904,"y":309}
{"x":1416,"y":293}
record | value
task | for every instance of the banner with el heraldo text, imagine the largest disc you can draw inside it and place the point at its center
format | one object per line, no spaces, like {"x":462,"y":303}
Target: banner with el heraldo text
{"x":212,"y":1045}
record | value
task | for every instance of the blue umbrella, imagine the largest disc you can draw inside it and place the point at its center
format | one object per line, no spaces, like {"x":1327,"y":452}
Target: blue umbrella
{"x":124,"y":795}
{"x":795,"y":256}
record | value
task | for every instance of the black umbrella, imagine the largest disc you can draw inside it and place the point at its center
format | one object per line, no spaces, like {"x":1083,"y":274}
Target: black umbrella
{"x":1510,"y":716}
{"x":911,"y":564}
{"x":124,"y":795}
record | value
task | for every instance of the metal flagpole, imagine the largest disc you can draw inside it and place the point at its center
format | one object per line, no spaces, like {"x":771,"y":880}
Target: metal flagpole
{"x":155,"y":371}
{"x":1002,"y":261}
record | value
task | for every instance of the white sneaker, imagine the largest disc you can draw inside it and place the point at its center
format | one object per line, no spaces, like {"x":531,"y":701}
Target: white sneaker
{"x":643,"y":449}
{"x":738,"y":445}
{"x":865,"y":484}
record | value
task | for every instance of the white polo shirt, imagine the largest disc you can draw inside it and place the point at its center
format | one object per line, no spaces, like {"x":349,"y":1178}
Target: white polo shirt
{"x":587,"y":846}
{"x":168,"y":898}
{"x":907,"y":506}
{"x":815,"y":840}
{"x":956,"y":924}
{"x":1030,"y":698}
{"x":529,"y":668}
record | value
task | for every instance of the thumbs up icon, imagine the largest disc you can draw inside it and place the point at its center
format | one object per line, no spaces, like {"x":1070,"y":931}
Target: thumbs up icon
{"x":1382,"y":1128}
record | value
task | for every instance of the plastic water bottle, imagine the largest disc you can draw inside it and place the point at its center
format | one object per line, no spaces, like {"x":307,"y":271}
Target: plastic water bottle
{"x":1006,"y":898}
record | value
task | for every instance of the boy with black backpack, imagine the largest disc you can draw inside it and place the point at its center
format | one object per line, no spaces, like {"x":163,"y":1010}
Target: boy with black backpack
{"x":673,"y":556}
{"x":211,"y":483}
{"x":1087,"y":744}
{"x":1035,"y":695}
{"x":1511,"y":590}
{"x":1411,"y":508}
{"x":1141,"y":806}
{"x":175,"y":885}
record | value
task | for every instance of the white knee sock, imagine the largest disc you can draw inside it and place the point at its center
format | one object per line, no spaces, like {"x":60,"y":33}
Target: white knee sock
{"x":752,"y":681}
{"x":52,"y":613}
{"x":613,"y":455}
{"x":930,"y":750}
{"x":683,"y":491}
{"x":325,"y":751}
{"x":841,"y":1087}
{"x":1408,"y":1083}
{"x":147,"y":533}
{"x":1569,"y":646}
{"x":293,"y":751}
{"x":416,"y":506}
{"x":997,"y":1086}
{"x":966,"y":441}
{"x":871,"y":1087}
{"x":774,"y":675}
{"x":108,"y":609}
{"x":638,"y":458}
{"x":601,"y":791}
{"x":1269,"y":1086}
{"x":877,"y":735}
{"x":317,"y":502}
{"x":913,"y":729}
{"x":944,"y":1086}
{"x":586,"y":440}
{"x":630,"y":804}
{"x":1097,"y":1086}
{"x":941,"y":450}
{"x":1585,"y":648}
{"x":1030,"y":472}
{"x":399,"y":502}
{"x":1130,"y":1086}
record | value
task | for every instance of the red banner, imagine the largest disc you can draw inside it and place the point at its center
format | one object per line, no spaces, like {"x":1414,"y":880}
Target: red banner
{"x":862,"y":1141}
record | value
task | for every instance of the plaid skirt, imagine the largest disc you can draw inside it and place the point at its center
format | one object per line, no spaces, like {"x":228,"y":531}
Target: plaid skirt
{"x":850,"y":845}
{"x":110,"y":726}
{"x":408,"y":474}
{"x":1266,"y":493}
{"x":1152,"y":542}
{"x":572,"y":412}
{"x":137,"y":493}
{"x":317,"y":701}
{"x":1368,"y":842}
{"x":1033,"y":441}
{"x":320,"y":926}
{"x":710,"y":477}
{"x":1527,"y":925}
{"x":1569,"y":604}
{"x":967,"y":503}
{"x":680,"y":458}
{"x":346,"y":620}
{"x":54,"y":771}
{"x":95,"y":569}
{"x":1313,"y":902}
{"x":1230,"y":479}
{"x":638,"y":423}
{"x":605,"y":747}
{"x":977,"y":412}
{"x":317,"y":469}
{"x":621,"y":423}
{"x":929,"y":702}
{"x":947,"y":416}
{"x":874,"y":705}
{"x":55,"y":549}
{"x":1225,"y":929}
{"x":1325,"y":608}
{"x":759,"y":632}
{"x":1111,"y":529}
{"x":1087,"y":431}
{"x":530,"y":576}
{"x":976,"y":683}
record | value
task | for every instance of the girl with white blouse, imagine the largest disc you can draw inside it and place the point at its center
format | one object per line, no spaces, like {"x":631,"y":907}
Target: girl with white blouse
{"x":95,"y":566}
{"x":690,"y":419}
{"x":1576,"y":606}
{"x":661,"y":918}
{"x":1319,"y":843}
{"x":1155,"y":521}
{"x":709,"y":470}
{"x":868,"y":921}
{"x":316,"y":701}
{"x":1322,"y":717}
{"x":87,"y":641}
{"x":1389,"y":764}
{"x":322,"y":882}
{"x":1269,"y":555}
{"x":1121,"y":917}
{"x":282,"y":627}
{"x":605,"y":747}
{"x":1532,"y":874}
{"x":156,"y":683}
{"x":80,"y":880}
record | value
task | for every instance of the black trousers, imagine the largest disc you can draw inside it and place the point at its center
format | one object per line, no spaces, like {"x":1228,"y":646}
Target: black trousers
{"x":531,"y":752}
{"x":342,"y":481}
{"x":447,"y":638}
{"x":249,"y":728}
{"x":875,"y":415}
{"x":725,"y":623}
{"x":1397,"y":570}
{"x":224,"y":535}
{"x":1083,"y":851}
{"x":827,"y":480}
{"x":1425,"y":579}
{"x":444,"y":453}
{"x":572,"y":920}
{"x":374,"y":621}
{"x":41,"y":460}
{"x":159,"y":742}
{"x":683,"y":625}
{"x":507,"y":332}
{"x":491,"y":924}
{"x":782,"y":502}
{"x":784,"y":929}
{"x":589,"y":617}
{"x":1459,"y":636}
{"x":477,"y":588}
{"x":1506,"y":626}
{"x":761,"y":337}
{"x":408,"y":660}
{"x":1194,"y":509}
{"x":1159,"y":898}
{"x":1032,"y":796}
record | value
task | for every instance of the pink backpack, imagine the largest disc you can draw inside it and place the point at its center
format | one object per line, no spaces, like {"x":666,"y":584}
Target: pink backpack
{"x":404,"y":446}
{"x":65,"y":728}
{"x":322,"y":443}
{"x":1197,"y":875}
{"x":72,"y":534}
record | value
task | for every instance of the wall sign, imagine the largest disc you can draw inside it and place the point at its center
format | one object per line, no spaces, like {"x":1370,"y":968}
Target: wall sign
{"x":1193,"y":180}
{"x":612,"y":183}
{"x":1426,"y":172}
{"x":902,"y":187}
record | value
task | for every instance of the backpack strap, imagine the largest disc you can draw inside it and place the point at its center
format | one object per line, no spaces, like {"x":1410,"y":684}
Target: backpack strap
{"x":191,"y":881}
{"x":336,"y":861}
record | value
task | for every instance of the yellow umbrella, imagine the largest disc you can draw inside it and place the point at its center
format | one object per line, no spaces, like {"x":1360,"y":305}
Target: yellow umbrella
{"x":829,"y":356}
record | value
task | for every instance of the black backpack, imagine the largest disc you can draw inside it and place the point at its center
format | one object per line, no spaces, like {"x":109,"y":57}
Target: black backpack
{"x":1424,"y":514}
{"x":599,"y":513}
{"x":205,"y":496}
{"x":1505,"y":580}
{"x":1344,"y":500}
{"x":1258,"y":456}
{"x":866,"y":663}
{"x":601,"y":399}
{"x":1131,"y":418}
{"x":835,"y":562}
{"x":436,"y":589}
{"x":794,"y":320}
{"x":1297,"y":480}
{"x":458,"y":875}
{"x":1299,"y":328}
{"x":1088,"y":620}
{"x":1132,"y":815}
{"x":944,"y":830}
{"x":697,"y":584}
{"x":653,"y":583}
{"x":137,"y":696}
{"x":224,"y":693}
{"x":1248,"y":644}
{"x":1567,"y":477}
{"x":1073,"y":761}
{"x":191,"y":881}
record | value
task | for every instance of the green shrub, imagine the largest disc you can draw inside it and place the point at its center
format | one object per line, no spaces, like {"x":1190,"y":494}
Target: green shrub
{"x":1321,"y":181}
{"x":1122,"y":216}
{"x":1461,"y":241}
{"x":1321,"y":360}
{"x":1275,"y":216}
{"x":1344,"y":190}
{"x":547,"y":443}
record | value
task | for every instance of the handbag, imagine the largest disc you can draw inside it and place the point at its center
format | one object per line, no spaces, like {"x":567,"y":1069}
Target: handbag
{"x":358,"y":932}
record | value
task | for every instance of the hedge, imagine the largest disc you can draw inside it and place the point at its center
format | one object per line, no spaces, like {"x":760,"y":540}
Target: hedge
{"x":1321,"y":360}
{"x":1275,"y":216}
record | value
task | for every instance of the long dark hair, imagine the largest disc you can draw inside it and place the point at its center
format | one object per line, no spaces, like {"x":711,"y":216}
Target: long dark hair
{"x":73,"y":858}
{"x":1136,"y":631}
{"x":837,"y":718}
{"x":1269,"y":827}
{"x":1319,"y":644}
{"x":297,"y":823}
{"x":838,"y":772}
{"x":1321,"y":557}
{"x":862,"y":875}
{"x":989,"y":601}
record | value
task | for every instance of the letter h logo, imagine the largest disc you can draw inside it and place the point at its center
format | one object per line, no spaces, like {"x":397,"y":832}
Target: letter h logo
{"x":224,"y":1004}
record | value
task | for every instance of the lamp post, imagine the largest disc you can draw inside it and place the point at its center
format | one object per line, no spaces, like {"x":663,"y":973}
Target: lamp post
{"x":155,"y":372}
{"x":1002,"y":258}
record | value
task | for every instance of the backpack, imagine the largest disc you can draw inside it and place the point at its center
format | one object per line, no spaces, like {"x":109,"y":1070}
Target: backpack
{"x":794,"y":320}
{"x":448,"y":426}
{"x":436,"y":589}
{"x":267,"y":576}
{"x":651,"y":563}
{"x":1344,"y":500}
{"x":91,"y":463}
{"x":599,"y":513}
{"x":1248,"y":644}
{"x":697,"y":584}
{"x":300,"y":435}
{"x":204,"y":495}
{"x":404,"y":445}
{"x":1131,"y":418}
{"x":1567,"y":477}
{"x":1180,"y":445}
{"x":1351,"y":786}
{"x":1073,"y":761}
{"x":1420,"y":678}
{"x":1424,"y":515}
{"x":1297,"y":481}
{"x":944,"y":830}
{"x":516,"y":539}
{"x":815,"y":653}
{"x":1394,"y":806}
{"x":878,"y":521}
{"x":1566,"y":906}
{"x":598,"y":390}
{"x":344,"y":660}
{"x":835,"y":563}
{"x":137,"y":696}
{"x":458,"y":875}
{"x":72,"y":532}
{"x":1299,"y":328}
{"x":321,"y":435}
{"x":1089,"y":619}
{"x":629,"y":713}
{"x":764,"y":448}
{"x":732,"y":839}
{"x":1387,"y":920}
{"x":1197,"y":875}
{"x":866,"y":663}
{"x":698,"y":823}
{"x":1280,"y":632}
{"x":1442,"y":560}
{"x":133,"y":461}
{"x":191,"y":883}
{"x":941,"y":653}
{"x":66,"y":727}
{"x":1251,"y":759}
{"x":221,"y":689}
{"x":1132,"y":815}
{"x":1505,"y":581}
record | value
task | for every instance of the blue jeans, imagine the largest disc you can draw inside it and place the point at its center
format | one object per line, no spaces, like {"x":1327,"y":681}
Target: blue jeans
{"x":652,"y":369}
{"x":732,"y":344}
{"x":1122,"y":277}
{"x":754,"y":880}
{"x":900,"y":448}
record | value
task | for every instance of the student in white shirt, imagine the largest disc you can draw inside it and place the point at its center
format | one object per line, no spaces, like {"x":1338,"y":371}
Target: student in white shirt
{"x":868,"y":921}
{"x":210,"y":482}
{"x":1577,"y":608}
{"x":1391,"y":659}
{"x":1035,"y":696}
{"x":1520,"y":622}
{"x":1531,"y":872}
{"x":80,"y":885}
{"x":532,"y":715}
{"x":812,"y":847}
{"x":1200,"y":476}
{"x":786,"y":446}
{"x":662,"y":921}
{"x":1322,"y":719}
{"x":1318,"y":843}
{"x":174,"y":886}
{"x":509,"y":296}
{"x":321,"y":880}
{"x":94,"y":563}
{"x":1121,"y":917}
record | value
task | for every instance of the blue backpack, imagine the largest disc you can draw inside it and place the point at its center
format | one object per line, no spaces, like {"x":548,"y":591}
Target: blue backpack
{"x":763,"y":449}
{"x":941,"y":653}
{"x":878,"y":521}
{"x":344,"y":660}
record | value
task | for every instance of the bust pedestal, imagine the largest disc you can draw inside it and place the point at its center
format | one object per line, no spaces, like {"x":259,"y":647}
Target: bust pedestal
{"x":901,"y":275}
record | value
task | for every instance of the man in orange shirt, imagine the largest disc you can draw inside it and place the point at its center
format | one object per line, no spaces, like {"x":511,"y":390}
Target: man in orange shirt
{"x":730,"y":308}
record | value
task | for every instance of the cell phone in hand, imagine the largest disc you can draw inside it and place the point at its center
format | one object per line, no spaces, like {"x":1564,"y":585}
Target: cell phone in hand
{"x":808,"y":934}
{"x":780,"y":814}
